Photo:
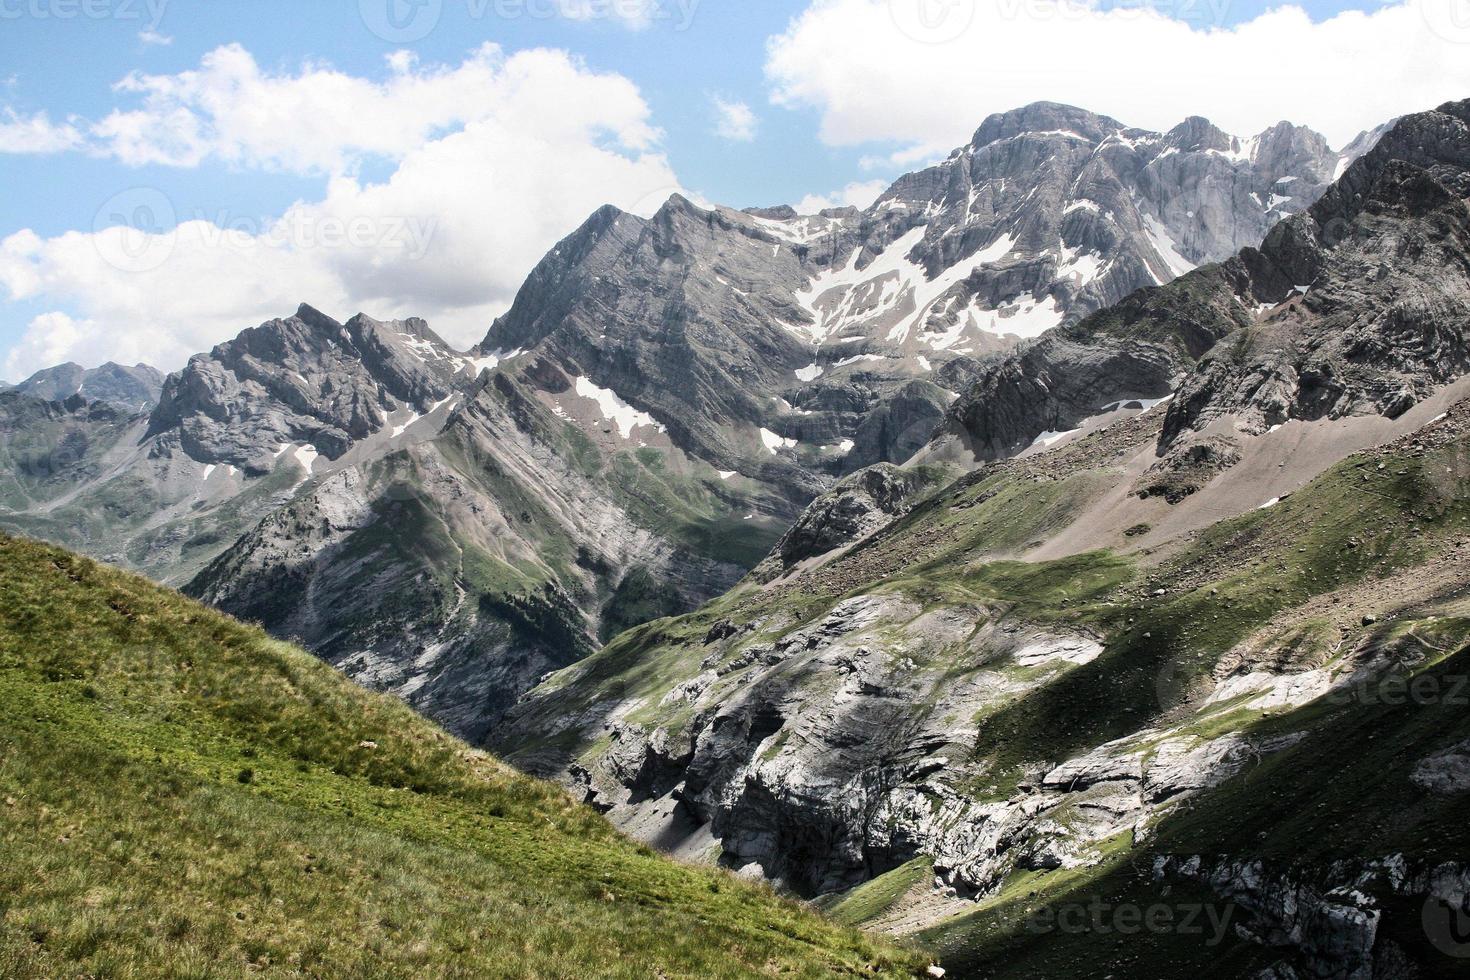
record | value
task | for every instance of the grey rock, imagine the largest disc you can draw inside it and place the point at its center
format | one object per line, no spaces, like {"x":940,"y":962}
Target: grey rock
{"x":303,"y":380}
{"x":134,"y":389}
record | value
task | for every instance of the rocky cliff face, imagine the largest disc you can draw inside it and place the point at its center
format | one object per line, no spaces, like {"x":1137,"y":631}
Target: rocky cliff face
{"x":307,"y":381}
{"x":1154,"y":620}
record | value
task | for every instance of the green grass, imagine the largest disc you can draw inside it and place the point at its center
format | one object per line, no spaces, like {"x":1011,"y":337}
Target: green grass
{"x":871,"y":899}
{"x":180,"y":795}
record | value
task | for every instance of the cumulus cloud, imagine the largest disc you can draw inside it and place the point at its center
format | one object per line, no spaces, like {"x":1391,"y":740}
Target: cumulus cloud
{"x":50,"y":339}
{"x":321,"y":120}
{"x":150,"y":36}
{"x":734,"y":120}
{"x":36,"y":134}
{"x":450,"y":235}
{"x":857,"y":194}
{"x":923,"y":74}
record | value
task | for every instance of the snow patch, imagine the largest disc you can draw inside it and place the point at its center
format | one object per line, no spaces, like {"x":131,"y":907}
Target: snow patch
{"x":836,"y":299}
{"x":615,"y":410}
{"x":1052,"y":438}
{"x":775,"y":443}
{"x":306,"y":457}
{"x":487,"y":362}
{"x":809,"y":373}
{"x":399,"y":430}
{"x":1158,"y":236}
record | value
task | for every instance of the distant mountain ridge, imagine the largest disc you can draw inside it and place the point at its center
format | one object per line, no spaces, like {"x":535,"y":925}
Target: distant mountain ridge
{"x":658,"y":406}
{"x":135,"y":389}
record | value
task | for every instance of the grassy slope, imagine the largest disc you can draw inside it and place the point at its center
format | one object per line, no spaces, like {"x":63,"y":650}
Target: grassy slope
{"x":183,"y":796}
{"x":1360,"y":528}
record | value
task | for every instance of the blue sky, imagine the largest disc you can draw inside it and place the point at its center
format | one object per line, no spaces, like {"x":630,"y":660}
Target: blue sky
{"x":820,"y":118}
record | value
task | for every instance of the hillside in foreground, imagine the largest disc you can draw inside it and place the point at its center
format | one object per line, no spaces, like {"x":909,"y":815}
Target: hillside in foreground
{"x":181,"y":795}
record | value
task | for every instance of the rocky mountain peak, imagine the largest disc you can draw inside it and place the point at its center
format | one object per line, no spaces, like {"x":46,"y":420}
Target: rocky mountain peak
{"x":1197,"y":134}
{"x":1044,"y":118}
{"x":783,"y":212}
{"x":1437,"y":141}
{"x":304,"y":380}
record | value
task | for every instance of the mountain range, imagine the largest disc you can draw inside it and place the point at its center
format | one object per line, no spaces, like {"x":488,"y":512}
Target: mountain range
{"x":664,"y":397}
{"x":1020,"y":540}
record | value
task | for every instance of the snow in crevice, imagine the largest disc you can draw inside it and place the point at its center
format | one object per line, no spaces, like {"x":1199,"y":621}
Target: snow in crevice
{"x":1166,"y":248}
{"x":811,"y":372}
{"x":1144,"y":404}
{"x":859,"y":359}
{"x":485,"y":362}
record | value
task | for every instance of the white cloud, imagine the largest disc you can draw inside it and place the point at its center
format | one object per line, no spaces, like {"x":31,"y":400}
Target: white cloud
{"x":150,"y":36}
{"x":319,"y":120}
{"x":449,"y":236}
{"x":734,"y":120}
{"x":35,"y":134}
{"x":50,"y":339}
{"x":858,"y":195}
{"x":878,"y":71}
